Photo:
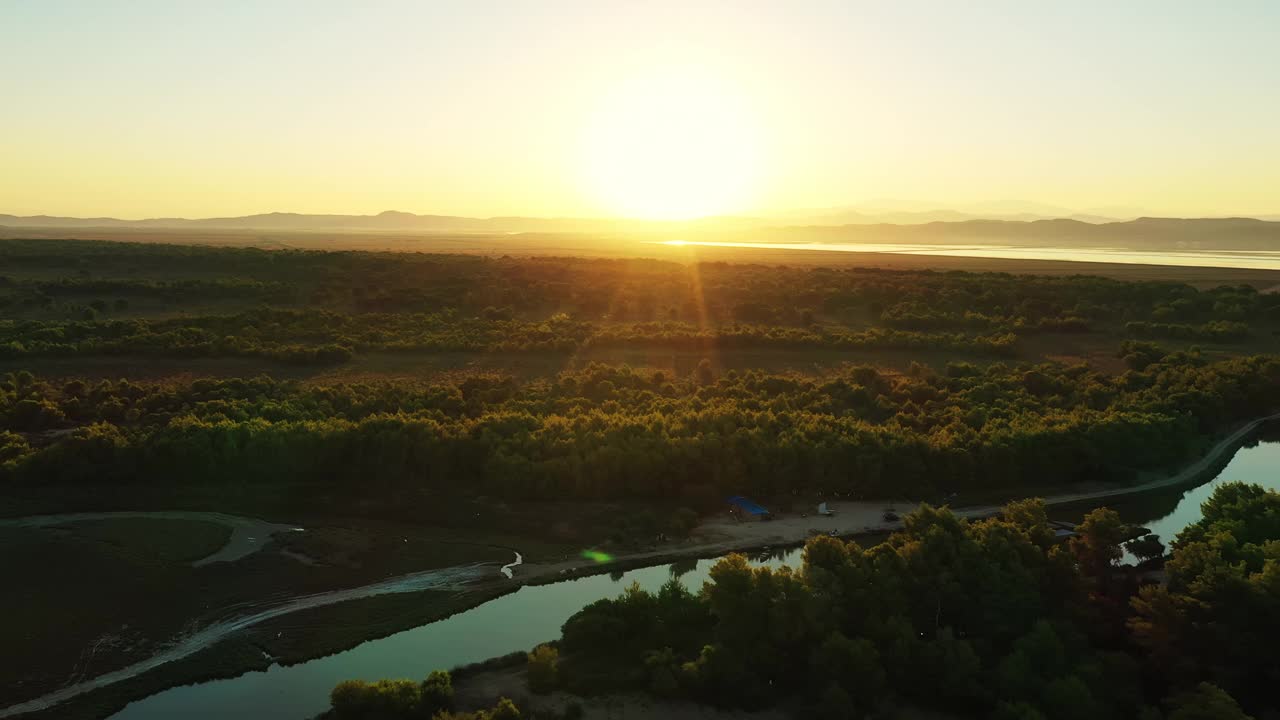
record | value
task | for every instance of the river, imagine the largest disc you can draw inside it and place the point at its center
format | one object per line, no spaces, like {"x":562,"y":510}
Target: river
{"x":1166,"y":513}
{"x":534,"y":614}
{"x":512,"y":622}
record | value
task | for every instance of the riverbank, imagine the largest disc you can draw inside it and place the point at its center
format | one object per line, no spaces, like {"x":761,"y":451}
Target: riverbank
{"x":131,"y":598}
{"x":855,"y":519}
{"x":712,"y":539}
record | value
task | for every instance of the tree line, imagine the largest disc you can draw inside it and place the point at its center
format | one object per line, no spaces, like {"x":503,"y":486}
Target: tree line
{"x":618,"y":432}
{"x":1212,"y":331}
{"x":323,"y":337}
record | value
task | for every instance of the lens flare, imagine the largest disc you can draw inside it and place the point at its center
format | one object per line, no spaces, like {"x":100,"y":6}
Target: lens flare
{"x":597,"y":556}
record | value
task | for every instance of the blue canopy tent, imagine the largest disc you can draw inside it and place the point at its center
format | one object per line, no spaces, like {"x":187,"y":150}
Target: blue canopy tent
{"x":749,"y":507}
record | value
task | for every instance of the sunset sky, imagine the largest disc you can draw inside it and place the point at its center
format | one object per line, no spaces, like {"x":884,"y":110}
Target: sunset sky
{"x":654,"y":109}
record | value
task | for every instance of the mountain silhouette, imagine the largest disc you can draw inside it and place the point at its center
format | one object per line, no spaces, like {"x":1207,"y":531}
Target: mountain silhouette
{"x":1232,"y":233}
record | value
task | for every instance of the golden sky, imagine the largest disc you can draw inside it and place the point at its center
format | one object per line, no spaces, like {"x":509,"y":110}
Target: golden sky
{"x":654,"y":109}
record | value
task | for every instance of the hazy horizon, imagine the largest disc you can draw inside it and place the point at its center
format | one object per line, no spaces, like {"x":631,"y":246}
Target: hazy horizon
{"x":851,"y":214}
{"x":670,"y":110}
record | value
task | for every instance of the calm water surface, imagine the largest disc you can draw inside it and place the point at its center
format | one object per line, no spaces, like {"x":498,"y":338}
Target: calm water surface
{"x":513,"y":622}
{"x":1169,"y":512}
{"x":1257,"y":259}
{"x":534,"y":614}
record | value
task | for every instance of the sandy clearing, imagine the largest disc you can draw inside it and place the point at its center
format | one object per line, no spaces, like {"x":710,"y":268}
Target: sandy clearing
{"x":720,"y":536}
{"x":855,"y":518}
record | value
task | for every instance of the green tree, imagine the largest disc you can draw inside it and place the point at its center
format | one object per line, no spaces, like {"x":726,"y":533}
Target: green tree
{"x":375,"y":701}
{"x":703,"y":373}
{"x":436,"y":693}
{"x":1068,"y":698}
{"x":1097,"y":542}
{"x":1205,"y":702}
{"x":1147,"y":547}
{"x":543,"y":669}
{"x":504,"y":710}
{"x":1031,"y":516}
{"x":349,"y":699}
{"x":852,"y":664}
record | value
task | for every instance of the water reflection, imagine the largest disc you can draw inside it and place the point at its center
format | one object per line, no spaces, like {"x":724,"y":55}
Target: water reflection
{"x":1166,"y":513}
{"x":772,"y":556}
{"x":680,"y":568}
{"x":513,"y":622}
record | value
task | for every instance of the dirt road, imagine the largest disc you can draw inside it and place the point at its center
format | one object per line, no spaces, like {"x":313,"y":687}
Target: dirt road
{"x":855,"y":518}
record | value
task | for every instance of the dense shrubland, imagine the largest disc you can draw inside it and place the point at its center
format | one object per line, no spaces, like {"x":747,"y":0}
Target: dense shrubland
{"x":327,"y":337}
{"x":78,"y":298}
{"x":1213,"y":331}
{"x":615,"y":432}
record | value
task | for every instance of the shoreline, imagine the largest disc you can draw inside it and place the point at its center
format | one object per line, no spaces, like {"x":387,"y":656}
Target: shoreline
{"x":750,"y":536}
{"x":746,"y":537}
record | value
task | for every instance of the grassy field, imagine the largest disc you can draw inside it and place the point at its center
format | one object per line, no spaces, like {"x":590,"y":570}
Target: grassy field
{"x":150,"y":540}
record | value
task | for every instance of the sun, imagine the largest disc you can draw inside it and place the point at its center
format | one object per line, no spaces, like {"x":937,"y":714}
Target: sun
{"x":671,"y":146}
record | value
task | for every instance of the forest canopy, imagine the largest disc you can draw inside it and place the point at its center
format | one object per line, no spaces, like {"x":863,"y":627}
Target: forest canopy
{"x":618,"y":432}
{"x":68,"y":298}
{"x":985,"y":414}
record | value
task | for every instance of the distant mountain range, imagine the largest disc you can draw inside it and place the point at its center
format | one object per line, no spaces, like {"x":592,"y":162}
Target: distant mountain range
{"x":835,"y":225}
{"x":914,"y":212}
{"x":386,"y":221}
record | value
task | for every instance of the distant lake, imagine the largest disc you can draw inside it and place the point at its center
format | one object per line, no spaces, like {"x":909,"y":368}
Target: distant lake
{"x":1253,"y":259}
